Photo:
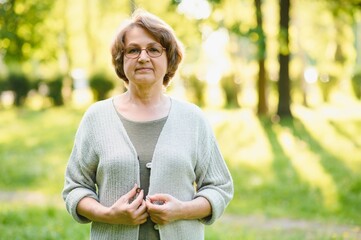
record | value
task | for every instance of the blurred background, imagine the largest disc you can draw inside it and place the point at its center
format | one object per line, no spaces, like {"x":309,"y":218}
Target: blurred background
{"x":280,"y":82}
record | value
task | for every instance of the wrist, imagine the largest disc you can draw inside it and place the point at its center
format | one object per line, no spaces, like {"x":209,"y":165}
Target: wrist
{"x":108,"y":214}
{"x":198,"y":208}
{"x":186,"y":210}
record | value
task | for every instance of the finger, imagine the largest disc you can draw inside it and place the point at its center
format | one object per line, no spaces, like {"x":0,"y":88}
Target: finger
{"x":141,"y":213}
{"x":154,"y":209}
{"x":132,"y":192}
{"x":156,"y":219}
{"x":144,"y":214}
{"x":143,"y":218}
{"x":149,"y":204}
{"x":159,"y":199}
{"x":142,"y":208}
{"x":137,"y":199}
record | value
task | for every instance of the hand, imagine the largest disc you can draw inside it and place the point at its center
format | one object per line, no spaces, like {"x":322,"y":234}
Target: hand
{"x":163,"y":208}
{"x":130,"y":209}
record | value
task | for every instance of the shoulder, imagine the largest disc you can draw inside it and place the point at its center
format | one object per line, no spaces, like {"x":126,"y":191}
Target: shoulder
{"x":100,"y":107}
{"x":189,"y":109}
{"x":97,"y":112}
{"x":190,"y":115}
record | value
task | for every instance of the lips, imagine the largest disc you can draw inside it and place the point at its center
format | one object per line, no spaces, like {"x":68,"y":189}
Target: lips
{"x":143,"y":69}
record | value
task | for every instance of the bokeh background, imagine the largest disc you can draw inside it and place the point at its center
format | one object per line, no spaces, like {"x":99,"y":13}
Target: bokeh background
{"x":280,"y":82}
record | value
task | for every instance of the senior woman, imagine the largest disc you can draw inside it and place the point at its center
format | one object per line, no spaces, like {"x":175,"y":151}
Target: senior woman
{"x":145,"y":165}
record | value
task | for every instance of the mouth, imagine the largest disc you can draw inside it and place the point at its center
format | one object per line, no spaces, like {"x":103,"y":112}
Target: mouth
{"x":143,"y":69}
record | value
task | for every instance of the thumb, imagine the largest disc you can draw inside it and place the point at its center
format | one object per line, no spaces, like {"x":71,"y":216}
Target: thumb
{"x":132,"y":194}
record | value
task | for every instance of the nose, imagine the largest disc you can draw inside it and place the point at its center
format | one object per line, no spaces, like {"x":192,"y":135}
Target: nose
{"x":143,"y":55}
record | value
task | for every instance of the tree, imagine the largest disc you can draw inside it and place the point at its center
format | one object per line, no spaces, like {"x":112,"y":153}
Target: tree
{"x":343,"y":13}
{"x":262,"y":82}
{"x":284,"y":98}
{"x":21,"y":32}
{"x":18,"y":82}
{"x":101,"y":85}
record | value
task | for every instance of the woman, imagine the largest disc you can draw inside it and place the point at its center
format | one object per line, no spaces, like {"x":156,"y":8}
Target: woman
{"x":145,"y":165}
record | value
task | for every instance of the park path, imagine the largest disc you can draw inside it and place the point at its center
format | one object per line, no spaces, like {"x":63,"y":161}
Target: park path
{"x":286,"y":224}
{"x":249,"y":222}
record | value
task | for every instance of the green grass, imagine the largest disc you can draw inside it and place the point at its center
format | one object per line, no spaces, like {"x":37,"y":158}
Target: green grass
{"x":34,"y":146}
{"x":291,"y":169}
{"x":45,"y":223}
{"x":306,"y":168}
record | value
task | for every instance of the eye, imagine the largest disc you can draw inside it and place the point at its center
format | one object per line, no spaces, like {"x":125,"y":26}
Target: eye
{"x":155,"y":49}
{"x":132,"y":50}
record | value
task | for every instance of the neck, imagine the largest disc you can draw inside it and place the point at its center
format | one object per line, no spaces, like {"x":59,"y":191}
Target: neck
{"x":144,"y":107}
{"x":144,"y":96}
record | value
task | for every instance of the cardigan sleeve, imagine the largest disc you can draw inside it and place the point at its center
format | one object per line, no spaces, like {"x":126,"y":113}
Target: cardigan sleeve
{"x":214,"y":181}
{"x":80,"y":171}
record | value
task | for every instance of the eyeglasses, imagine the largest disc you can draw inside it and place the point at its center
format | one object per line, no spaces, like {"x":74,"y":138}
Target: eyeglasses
{"x":152,"y":51}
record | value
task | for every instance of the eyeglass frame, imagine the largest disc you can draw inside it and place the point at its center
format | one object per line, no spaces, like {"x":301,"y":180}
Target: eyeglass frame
{"x":146,"y":50}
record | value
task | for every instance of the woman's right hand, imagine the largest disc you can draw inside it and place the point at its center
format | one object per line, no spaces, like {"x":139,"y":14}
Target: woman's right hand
{"x":129,"y":209}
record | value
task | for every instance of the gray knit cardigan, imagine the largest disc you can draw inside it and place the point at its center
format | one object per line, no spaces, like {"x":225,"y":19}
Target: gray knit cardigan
{"x":103,"y":165}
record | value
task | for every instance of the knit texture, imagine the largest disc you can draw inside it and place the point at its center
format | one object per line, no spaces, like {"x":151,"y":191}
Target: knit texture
{"x":104,"y":165}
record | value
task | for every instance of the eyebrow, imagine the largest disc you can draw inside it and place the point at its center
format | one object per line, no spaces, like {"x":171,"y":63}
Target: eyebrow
{"x":137,"y":45}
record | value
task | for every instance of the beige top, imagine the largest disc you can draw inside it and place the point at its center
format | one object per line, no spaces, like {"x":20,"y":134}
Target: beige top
{"x":144,"y":136}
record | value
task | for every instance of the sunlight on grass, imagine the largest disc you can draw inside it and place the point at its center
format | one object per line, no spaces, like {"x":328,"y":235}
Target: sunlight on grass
{"x":307,"y":165}
{"x":244,"y":143}
{"x":34,"y":147}
{"x":39,"y":222}
{"x":335,"y":143}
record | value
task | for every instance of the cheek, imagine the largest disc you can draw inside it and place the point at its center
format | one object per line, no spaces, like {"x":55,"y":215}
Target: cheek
{"x":127,"y":67}
{"x":165,"y":65}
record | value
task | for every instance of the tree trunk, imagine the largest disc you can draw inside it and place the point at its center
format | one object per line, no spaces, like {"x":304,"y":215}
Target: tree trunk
{"x":284,"y":99}
{"x":262,"y":82}
{"x":91,"y":40}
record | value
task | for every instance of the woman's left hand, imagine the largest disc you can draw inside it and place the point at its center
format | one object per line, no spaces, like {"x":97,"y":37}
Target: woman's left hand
{"x":164,"y":208}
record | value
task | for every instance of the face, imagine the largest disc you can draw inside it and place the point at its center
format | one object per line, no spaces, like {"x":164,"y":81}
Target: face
{"x":144,"y":70}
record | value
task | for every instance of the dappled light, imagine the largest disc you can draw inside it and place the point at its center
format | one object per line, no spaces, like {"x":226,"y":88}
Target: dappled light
{"x":245,"y":144}
{"x":336,"y":144}
{"x":308,"y":166}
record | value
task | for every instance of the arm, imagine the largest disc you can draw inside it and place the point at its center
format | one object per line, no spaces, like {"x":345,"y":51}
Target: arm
{"x":198,"y":208}
{"x":123,"y":211}
{"x":214,"y":181}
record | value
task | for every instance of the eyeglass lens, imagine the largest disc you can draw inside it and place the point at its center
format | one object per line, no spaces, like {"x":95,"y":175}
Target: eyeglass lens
{"x":152,"y":51}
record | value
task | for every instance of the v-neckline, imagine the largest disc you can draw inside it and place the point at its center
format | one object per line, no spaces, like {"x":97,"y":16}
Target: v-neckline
{"x":170,"y":114}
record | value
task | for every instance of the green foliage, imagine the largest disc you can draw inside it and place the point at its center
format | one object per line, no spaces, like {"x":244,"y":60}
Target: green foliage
{"x":356,"y":84}
{"x":20,"y":31}
{"x":101,"y":85}
{"x":4,"y":84}
{"x":231,"y":90}
{"x":195,"y":89}
{"x":19,"y":83}
{"x":328,"y":86}
{"x":55,"y":90}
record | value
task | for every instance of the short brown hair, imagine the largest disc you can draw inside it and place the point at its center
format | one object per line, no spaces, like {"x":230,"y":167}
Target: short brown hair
{"x":160,"y":30}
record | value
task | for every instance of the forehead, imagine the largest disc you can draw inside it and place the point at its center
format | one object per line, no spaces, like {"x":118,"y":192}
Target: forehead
{"x":138,"y":36}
